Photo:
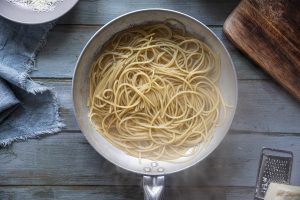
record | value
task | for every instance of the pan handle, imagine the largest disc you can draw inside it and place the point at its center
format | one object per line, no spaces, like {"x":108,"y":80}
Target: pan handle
{"x":153,"y":187}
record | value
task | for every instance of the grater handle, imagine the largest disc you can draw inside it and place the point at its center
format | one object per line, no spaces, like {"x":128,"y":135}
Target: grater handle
{"x":153,"y":187}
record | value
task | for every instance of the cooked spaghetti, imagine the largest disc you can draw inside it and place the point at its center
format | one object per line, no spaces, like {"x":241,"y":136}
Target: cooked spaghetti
{"x":153,"y":92}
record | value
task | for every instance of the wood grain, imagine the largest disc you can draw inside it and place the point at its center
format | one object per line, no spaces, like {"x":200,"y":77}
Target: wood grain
{"x":213,"y":12}
{"x":58,"y":58}
{"x":121,"y":193}
{"x":64,"y":166}
{"x":263,"y":106}
{"x":68,"y":159}
{"x":269,"y":33}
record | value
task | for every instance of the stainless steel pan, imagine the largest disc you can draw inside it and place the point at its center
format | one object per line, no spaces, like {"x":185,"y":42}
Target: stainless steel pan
{"x":153,"y":172}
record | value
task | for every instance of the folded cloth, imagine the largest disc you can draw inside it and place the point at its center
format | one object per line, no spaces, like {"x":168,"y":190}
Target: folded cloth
{"x":27,"y":108}
{"x":8,"y":101}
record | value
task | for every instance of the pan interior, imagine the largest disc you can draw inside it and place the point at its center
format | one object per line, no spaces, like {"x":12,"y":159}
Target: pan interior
{"x":228,"y":88}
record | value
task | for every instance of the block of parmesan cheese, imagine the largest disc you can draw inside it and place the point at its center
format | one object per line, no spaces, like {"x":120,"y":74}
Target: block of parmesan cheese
{"x":282,"y":192}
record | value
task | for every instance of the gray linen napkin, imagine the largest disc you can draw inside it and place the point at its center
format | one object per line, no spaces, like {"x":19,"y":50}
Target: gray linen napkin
{"x":27,"y":108}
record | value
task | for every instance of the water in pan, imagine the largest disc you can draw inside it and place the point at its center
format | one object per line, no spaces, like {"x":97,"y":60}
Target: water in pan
{"x":36,"y":5}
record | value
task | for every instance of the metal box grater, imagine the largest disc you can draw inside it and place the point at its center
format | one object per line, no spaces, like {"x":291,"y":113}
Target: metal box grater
{"x":275,"y":166}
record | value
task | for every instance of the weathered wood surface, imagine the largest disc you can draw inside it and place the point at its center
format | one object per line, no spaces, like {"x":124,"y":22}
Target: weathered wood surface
{"x":65,"y":43}
{"x":213,"y":12}
{"x":121,"y":193}
{"x":68,"y":159}
{"x":263,"y":106}
{"x":268,"y":32}
{"x":65,"y":166}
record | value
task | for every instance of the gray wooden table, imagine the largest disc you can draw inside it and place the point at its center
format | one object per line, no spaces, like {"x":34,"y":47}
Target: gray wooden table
{"x":65,"y":166}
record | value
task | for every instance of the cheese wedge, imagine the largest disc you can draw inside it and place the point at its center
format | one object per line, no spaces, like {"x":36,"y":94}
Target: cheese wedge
{"x":282,"y":192}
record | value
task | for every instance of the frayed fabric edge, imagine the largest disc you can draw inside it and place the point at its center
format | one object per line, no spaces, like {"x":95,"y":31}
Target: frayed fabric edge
{"x":58,"y":127}
{"x":39,"y":89}
{"x":30,"y":64}
{"x":23,"y":78}
{"x":7,"y":142}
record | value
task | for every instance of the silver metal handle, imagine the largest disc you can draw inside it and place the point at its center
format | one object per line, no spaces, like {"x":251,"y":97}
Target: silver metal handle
{"x":153,"y":187}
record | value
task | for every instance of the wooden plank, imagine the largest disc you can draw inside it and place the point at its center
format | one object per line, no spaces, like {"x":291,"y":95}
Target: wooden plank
{"x":213,"y":12}
{"x":120,"y":193}
{"x":58,"y":58}
{"x":68,"y":159}
{"x":263,"y":106}
{"x":65,"y":43}
{"x":268,"y":32}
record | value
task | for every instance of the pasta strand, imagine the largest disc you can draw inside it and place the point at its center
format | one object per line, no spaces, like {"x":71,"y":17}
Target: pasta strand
{"x":154,"y":92}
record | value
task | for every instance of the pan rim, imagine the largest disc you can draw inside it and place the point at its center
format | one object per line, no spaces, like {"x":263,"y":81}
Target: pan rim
{"x":227,"y":55}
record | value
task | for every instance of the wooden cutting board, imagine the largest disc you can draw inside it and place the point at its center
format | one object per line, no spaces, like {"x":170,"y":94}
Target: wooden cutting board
{"x":268,"y":31}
